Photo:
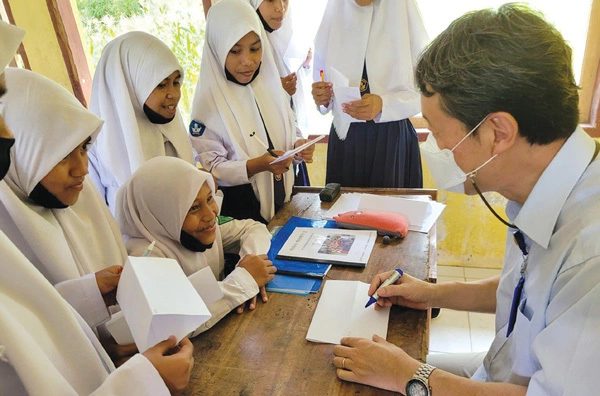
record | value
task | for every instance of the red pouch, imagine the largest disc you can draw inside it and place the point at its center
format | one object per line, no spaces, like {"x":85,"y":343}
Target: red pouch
{"x":385,"y":223}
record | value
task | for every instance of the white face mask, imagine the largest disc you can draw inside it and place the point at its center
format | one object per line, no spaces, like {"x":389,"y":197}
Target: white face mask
{"x":445,"y":171}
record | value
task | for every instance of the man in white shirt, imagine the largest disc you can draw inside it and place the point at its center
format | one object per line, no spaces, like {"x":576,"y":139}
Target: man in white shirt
{"x":500,"y":98}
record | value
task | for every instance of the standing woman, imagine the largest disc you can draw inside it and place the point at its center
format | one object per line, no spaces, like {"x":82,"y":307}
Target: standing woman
{"x":136,"y":90}
{"x":290,"y":57}
{"x":239,"y":109}
{"x":375,"y":44}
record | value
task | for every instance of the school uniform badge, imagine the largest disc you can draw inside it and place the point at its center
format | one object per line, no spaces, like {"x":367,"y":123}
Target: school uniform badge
{"x":197,"y":128}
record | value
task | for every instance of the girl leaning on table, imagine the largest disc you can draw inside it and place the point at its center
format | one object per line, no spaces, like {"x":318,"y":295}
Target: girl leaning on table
{"x":240,"y":109}
{"x":48,"y":208}
{"x":172,"y":203}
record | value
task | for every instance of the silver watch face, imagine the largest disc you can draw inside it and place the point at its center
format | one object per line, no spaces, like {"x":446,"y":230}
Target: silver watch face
{"x":416,"y":388}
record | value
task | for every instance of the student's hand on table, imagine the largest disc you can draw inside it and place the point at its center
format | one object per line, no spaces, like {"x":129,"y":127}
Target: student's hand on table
{"x":107,"y":280}
{"x":407,"y":291}
{"x":119,"y":354}
{"x":173,"y":362}
{"x":289,"y":83}
{"x":322,"y":93}
{"x":252,"y":302}
{"x":376,"y":363}
{"x":260,"y":267}
{"x":307,"y":153}
{"x":365,"y":109}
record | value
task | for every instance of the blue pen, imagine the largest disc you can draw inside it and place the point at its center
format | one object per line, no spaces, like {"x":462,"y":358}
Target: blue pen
{"x":397,"y":274}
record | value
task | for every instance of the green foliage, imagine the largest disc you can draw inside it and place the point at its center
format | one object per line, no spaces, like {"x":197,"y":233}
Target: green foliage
{"x":180,"y":24}
{"x":98,"y":9}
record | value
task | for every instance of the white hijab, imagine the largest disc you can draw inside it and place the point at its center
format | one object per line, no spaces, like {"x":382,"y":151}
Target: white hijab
{"x":230,"y":110}
{"x":152,"y":206}
{"x":130,"y":67}
{"x":41,"y":336}
{"x":10,"y":39}
{"x":389,"y":34}
{"x":48,"y":123}
{"x":288,"y":49}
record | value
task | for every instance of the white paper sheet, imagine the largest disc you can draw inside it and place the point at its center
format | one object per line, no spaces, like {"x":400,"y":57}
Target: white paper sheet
{"x":206,"y":285}
{"x":419,"y":221}
{"x":290,"y":153}
{"x":341,"y":313}
{"x":158,"y":300}
{"x":342,"y":93}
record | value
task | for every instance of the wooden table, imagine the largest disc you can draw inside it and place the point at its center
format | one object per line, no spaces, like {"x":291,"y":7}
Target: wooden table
{"x":264,"y":352}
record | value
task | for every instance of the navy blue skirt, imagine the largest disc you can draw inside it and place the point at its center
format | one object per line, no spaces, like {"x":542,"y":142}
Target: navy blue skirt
{"x":375,"y":155}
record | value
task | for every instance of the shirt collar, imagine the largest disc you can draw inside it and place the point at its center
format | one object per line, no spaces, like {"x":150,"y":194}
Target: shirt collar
{"x":538,"y":215}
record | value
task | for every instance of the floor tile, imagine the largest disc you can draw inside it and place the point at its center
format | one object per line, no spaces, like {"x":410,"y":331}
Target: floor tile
{"x":457,"y":272}
{"x":482,"y":331}
{"x":450,"y":332}
{"x":480,"y":273}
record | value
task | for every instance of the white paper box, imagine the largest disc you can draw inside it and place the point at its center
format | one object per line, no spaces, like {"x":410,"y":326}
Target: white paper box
{"x":158,"y":300}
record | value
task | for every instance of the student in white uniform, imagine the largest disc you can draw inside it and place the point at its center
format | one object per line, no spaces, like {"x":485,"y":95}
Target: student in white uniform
{"x":375,"y":45}
{"x":239,"y":109}
{"x":171,"y":202}
{"x":50,"y":211}
{"x":136,"y":89}
{"x":45,"y":346}
{"x":290,"y":52}
{"x":491,"y":131}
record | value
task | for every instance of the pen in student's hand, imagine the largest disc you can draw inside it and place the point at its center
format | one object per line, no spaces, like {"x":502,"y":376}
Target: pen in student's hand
{"x":149,"y":249}
{"x":269,"y":150}
{"x":322,"y":76}
{"x":397,"y":274}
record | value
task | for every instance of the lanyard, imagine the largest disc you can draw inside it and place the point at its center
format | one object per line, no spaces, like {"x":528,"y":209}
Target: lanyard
{"x":520,"y":241}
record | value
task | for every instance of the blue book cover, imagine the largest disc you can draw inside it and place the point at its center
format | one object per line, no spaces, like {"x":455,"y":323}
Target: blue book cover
{"x":294,"y":267}
{"x":288,"y":284}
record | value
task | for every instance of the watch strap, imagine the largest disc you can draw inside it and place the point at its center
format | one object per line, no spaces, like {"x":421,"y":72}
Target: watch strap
{"x":422,"y":375}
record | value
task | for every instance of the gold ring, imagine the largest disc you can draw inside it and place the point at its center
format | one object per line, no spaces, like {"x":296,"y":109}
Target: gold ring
{"x":344,"y":363}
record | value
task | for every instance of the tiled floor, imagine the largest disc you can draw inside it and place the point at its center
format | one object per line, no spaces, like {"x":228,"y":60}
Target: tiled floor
{"x":455,"y":331}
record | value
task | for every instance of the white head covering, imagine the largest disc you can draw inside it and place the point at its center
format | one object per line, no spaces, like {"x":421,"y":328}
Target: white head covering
{"x":48,"y":123}
{"x":41,"y":337}
{"x":290,"y":51}
{"x":388,"y":34}
{"x":130,"y":67}
{"x":10,"y":39}
{"x":230,"y":110}
{"x":152,"y":206}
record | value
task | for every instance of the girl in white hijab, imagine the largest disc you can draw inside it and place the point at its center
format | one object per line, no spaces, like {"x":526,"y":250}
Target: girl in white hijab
{"x":291,"y":54}
{"x":375,"y":44}
{"x":171,"y":202}
{"x":239,"y":109}
{"x":50,"y":212}
{"x":136,"y":90}
{"x":44,"y":344}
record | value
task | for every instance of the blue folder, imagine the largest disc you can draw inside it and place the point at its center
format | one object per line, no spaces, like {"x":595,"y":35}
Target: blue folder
{"x":296,"y":277}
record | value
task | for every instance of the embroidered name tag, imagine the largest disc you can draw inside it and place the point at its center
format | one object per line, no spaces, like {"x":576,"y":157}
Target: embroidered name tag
{"x":197,"y":128}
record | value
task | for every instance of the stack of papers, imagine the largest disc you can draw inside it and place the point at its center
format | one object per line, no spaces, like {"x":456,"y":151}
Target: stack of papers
{"x":158,"y":300}
{"x":341,"y":313}
{"x":421,"y":212}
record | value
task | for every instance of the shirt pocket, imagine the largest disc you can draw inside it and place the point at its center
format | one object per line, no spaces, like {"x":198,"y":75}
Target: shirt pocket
{"x":523,"y":365}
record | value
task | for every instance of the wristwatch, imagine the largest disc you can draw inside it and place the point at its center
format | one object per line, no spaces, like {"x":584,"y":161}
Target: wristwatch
{"x":419,"y":383}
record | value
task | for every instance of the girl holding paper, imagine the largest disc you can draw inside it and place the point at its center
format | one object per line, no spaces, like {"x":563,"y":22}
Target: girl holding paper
{"x":239,"y":109}
{"x":47,"y":207}
{"x":136,"y":89}
{"x":374,"y":44}
{"x":172,"y":203}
